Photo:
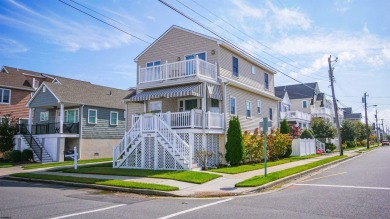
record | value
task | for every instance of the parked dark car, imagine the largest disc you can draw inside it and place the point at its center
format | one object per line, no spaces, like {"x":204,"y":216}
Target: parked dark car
{"x":385,"y":142}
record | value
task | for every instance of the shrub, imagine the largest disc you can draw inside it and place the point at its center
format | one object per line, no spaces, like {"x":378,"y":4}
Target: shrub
{"x":363,"y":143}
{"x":350,"y":144}
{"x":284,"y":127}
{"x":234,"y":146}
{"x":27,"y":155}
{"x":7,"y":132}
{"x":307,"y":134}
{"x":288,"y":151}
{"x":330,"y":146}
{"x":277,"y":144}
{"x":7,"y":156}
{"x":253,"y":144}
{"x":16,"y":156}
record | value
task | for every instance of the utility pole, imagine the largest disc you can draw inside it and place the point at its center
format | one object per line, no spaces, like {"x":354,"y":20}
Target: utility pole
{"x":383,"y":129}
{"x":365,"y":110}
{"x":376,"y":129}
{"x":335,"y":104}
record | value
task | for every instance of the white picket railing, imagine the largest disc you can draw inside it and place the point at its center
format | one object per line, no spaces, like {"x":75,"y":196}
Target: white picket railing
{"x":295,"y":115}
{"x":214,"y":120}
{"x":192,"y":119}
{"x":126,"y":141}
{"x":175,"y":70}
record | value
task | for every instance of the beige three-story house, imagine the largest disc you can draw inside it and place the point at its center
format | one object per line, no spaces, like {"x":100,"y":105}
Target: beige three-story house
{"x":189,"y":85}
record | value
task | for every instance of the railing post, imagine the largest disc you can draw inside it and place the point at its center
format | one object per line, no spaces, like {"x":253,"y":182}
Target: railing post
{"x":140,"y":123}
{"x":208,"y":119}
{"x":113,"y":157}
{"x":197,"y":65}
{"x":192,"y":118}
{"x":169,"y":118}
{"x":166,"y":70}
{"x":215,"y":70}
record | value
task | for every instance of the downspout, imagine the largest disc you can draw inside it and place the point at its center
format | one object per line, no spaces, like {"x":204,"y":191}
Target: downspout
{"x":81,"y":130}
{"x":126,"y":120}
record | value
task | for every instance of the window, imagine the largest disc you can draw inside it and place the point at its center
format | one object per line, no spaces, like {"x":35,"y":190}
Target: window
{"x":71,"y":116}
{"x":5,"y":96}
{"x":153,"y":70}
{"x":35,"y":83}
{"x":151,"y":64}
{"x":232,"y":105}
{"x":201,"y":56}
{"x":248,"y":109}
{"x":253,"y":69}
{"x":304,"y":104}
{"x":44,"y":89}
{"x":190,"y":66}
{"x":156,"y":107}
{"x":235,"y":66}
{"x":113,"y":118}
{"x":92,"y":116}
{"x":266,"y":82}
{"x":44,"y":116}
{"x":215,"y":103}
{"x":258,"y":106}
{"x":187,"y":104}
{"x":270,"y":114}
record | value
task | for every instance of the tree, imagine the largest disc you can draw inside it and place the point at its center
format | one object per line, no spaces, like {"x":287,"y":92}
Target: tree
{"x":284,"y":127}
{"x":322,"y":128}
{"x":307,"y":133}
{"x":234,"y":145}
{"x":348,"y":132}
{"x":7,"y":131}
{"x":360,"y":130}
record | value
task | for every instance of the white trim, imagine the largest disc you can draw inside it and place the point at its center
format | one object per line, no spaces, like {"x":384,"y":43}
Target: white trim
{"x":67,"y":111}
{"x":250,"y":110}
{"x":194,"y":54}
{"x":258,"y":106}
{"x":37,"y":91}
{"x":198,"y":103}
{"x":55,"y":81}
{"x":235,"y":106}
{"x":253,"y":69}
{"x":17,"y":88}
{"x":89,"y":116}
{"x":154,"y":102}
{"x":44,"y":119}
{"x":2,"y":96}
{"x":36,"y":76}
{"x":5,"y":69}
{"x":117,"y":117}
{"x":146,"y":64}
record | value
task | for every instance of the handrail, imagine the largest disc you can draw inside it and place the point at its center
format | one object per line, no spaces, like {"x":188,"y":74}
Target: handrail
{"x":127,"y":140}
{"x":30,"y":140}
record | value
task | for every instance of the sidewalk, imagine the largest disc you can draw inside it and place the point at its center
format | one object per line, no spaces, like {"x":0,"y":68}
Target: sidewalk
{"x":221,"y":186}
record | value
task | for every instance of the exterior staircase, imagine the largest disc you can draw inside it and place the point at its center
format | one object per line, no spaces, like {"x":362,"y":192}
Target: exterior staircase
{"x":40,"y":154}
{"x":152,"y":144}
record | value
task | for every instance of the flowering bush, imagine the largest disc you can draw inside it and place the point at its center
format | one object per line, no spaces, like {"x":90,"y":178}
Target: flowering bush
{"x":253,"y":144}
{"x":277,"y":144}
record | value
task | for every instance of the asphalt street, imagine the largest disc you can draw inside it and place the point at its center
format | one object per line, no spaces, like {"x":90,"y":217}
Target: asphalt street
{"x":358,"y":188}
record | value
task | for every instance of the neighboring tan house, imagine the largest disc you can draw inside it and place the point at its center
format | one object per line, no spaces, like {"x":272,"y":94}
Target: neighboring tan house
{"x":349,"y":115}
{"x":65,"y":113}
{"x":189,"y":85}
{"x":293,"y":117}
{"x":16,"y":88}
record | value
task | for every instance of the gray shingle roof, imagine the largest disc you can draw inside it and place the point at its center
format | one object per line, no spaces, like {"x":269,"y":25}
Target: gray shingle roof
{"x":349,"y":115}
{"x":82,"y":92}
{"x":298,"y":91}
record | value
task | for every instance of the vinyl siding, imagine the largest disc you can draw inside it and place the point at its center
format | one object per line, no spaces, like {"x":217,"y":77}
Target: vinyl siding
{"x":249,"y":124}
{"x":296,"y":104}
{"x":37,"y":115}
{"x":178,"y":43}
{"x":44,"y":99}
{"x":244,"y":70}
{"x":133,"y":108}
{"x":17,"y":108}
{"x":103,"y":129}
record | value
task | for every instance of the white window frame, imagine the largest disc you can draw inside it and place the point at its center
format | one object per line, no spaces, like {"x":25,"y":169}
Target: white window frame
{"x":2,"y":96}
{"x":304,"y":101}
{"x":66,"y":115}
{"x":184,"y":103}
{"x":250,"y":109}
{"x":253,"y":69}
{"x":35,"y":83}
{"x":45,"y":116}
{"x":258,"y":106}
{"x":117,"y":117}
{"x":235,"y":106}
{"x":153,"y":65}
{"x":89,"y":116}
{"x":151,"y":103}
{"x":195,"y":54}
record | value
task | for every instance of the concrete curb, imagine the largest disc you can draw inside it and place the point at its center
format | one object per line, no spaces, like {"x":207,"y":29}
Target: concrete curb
{"x":94,"y":186}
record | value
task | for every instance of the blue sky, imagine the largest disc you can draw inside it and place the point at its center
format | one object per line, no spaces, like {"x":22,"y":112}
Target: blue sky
{"x":295,"y":37}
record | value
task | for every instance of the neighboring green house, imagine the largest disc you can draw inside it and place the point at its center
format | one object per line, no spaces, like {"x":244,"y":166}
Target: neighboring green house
{"x":66,"y":113}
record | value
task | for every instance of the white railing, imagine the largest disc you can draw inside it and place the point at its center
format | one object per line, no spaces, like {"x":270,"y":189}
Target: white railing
{"x":214,"y":120}
{"x":175,"y":70}
{"x":126,"y":141}
{"x":321,"y":110}
{"x":320,"y":145}
{"x":295,"y":115}
{"x":178,"y":145}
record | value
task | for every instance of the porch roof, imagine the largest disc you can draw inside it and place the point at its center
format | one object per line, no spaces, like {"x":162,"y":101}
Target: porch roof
{"x":178,"y":91}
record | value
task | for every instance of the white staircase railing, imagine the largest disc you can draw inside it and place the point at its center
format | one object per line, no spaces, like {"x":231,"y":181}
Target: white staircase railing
{"x":178,"y":145}
{"x":126,"y":142}
{"x":320,"y":145}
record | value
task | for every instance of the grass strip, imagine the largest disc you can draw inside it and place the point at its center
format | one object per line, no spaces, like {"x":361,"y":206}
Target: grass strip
{"x":116,"y":183}
{"x":185,"y":176}
{"x":261,"y":180}
{"x":6,"y":164}
{"x":251,"y":167}
{"x":65,"y":163}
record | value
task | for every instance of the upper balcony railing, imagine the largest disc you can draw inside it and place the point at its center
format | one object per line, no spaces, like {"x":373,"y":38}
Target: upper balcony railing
{"x":321,"y":110}
{"x":295,"y":115}
{"x":175,"y":70}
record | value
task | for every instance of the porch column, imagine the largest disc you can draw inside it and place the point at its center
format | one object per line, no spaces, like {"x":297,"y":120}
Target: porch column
{"x":62,"y":118}
{"x":30,"y":113}
{"x":204,"y":104}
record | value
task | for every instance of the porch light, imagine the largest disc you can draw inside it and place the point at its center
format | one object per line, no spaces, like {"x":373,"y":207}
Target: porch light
{"x":178,"y":58}
{"x":213,"y":52}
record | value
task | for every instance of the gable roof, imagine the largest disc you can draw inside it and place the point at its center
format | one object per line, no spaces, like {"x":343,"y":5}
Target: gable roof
{"x":280,"y":92}
{"x":11,"y":77}
{"x":349,"y":115}
{"x":83,"y":92}
{"x":299,"y":91}
{"x":216,"y":40}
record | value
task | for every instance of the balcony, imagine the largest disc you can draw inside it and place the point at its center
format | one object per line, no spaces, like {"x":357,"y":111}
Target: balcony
{"x":295,"y":115}
{"x":175,"y":70}
{"x":321,"y":111}
{"x":53,"y":128}
{"x":181,"y":120}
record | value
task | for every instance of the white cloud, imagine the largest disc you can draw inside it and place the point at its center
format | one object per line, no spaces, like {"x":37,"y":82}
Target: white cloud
{"x":342,"y":6}
{"x":284,"y":18}
{"x":70,"y":34}
{"x":10,"y":46}
{"x":365,"y":28}
{"x":244,"y":10}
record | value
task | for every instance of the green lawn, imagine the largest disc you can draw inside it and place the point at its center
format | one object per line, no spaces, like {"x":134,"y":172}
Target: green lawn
{"x":117,"y":183}
{"x":185,"y":176}
{"x":65,"y":163}
{"x":250,"y":167}
{"x":261,"y":180}
{"x":6,"y":164}
{"x":350,"y":149}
